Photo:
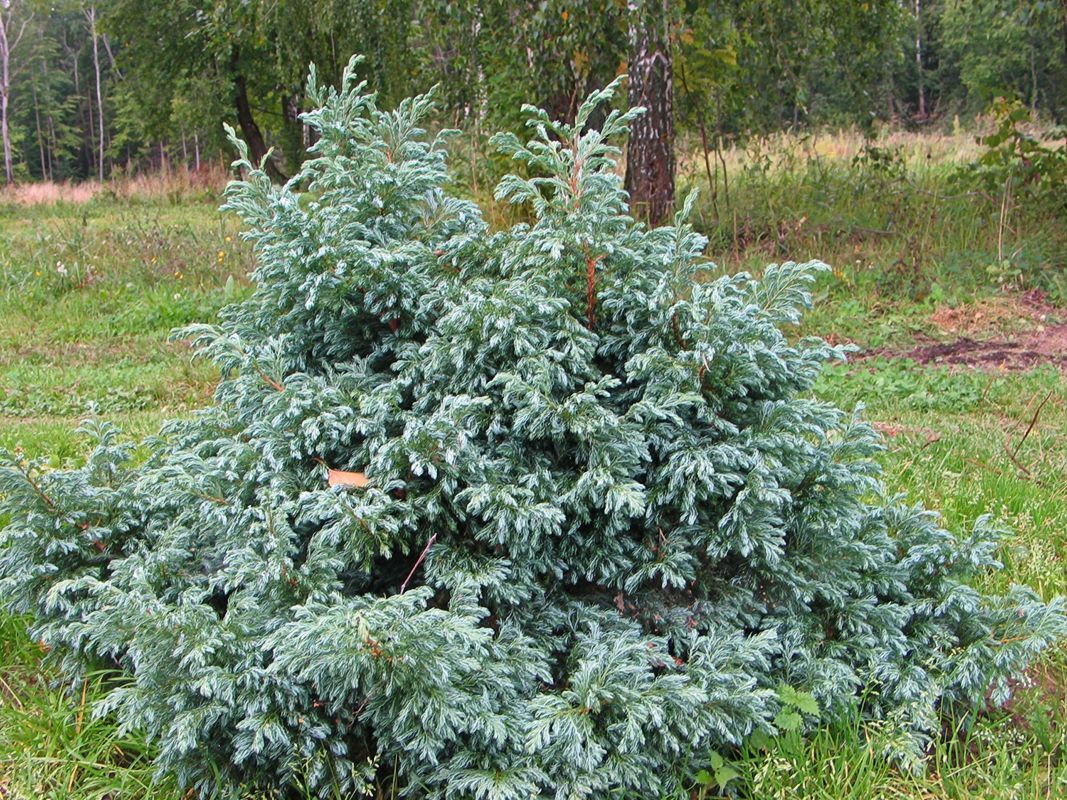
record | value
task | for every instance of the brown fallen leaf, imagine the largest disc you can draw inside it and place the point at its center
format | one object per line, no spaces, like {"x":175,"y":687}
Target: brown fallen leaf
{"x":887,"y":429}
{"x":339,"y":477}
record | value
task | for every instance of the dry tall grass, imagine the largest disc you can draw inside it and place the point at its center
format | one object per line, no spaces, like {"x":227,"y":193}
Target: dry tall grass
{"x":48,"y":193}
{"x":785,"y":148}
{"x":172,"y":185}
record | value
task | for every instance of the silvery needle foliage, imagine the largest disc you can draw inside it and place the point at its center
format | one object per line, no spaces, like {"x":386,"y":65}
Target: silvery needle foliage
{"x":606,"y":522}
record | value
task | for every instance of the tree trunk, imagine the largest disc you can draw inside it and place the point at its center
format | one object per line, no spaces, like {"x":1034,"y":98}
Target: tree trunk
{"x":9,"y":166}
{"x":39,"y":131}
{"x":919,"y":57}
{"x":249,"y":129}
{"x":88,"y":152}
{"x":7,"y":44}
{"x":49,"y":123}
{"x":650,"y":152}
{"x":9,"y":40}
{"x":90,"y":15}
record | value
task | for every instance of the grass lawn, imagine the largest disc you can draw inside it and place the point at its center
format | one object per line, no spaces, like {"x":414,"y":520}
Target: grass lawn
{"x":90,"y":292}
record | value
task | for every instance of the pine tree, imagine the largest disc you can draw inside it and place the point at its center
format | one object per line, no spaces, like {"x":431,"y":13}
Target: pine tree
{"x":603,"y":523}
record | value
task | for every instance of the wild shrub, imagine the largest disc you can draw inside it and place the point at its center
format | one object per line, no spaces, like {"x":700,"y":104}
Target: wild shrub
{"x":1017,"y":164}
{"x":498,"y":514}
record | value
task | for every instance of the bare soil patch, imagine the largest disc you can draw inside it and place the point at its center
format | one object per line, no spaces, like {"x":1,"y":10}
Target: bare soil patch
{"x":1047,"y":346}
{"x":1016,"y":332}
{"x":994,"y":316}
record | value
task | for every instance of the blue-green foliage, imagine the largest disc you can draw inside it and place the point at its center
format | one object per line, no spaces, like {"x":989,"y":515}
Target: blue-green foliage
{"x":605,"y":525}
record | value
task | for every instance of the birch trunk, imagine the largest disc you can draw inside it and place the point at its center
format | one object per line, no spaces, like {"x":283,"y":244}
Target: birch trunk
{"x":919,"y":56}
{"x":90,"y":15}
{"x":8,"y":42}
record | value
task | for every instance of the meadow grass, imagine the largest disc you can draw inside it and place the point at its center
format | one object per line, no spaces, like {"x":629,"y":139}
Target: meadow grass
{"x":90,"y":291}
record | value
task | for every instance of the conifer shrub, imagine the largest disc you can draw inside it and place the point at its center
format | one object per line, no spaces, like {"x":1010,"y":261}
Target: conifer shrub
{"x":535,"y":512}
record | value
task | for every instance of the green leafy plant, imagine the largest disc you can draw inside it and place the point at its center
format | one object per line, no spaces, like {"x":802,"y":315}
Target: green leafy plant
{"x":1018,"y":162}
{"x":795,"y":707}
{"x":1016,"y":168}
{"x":498,"y":515}
{"x":721,"y":775}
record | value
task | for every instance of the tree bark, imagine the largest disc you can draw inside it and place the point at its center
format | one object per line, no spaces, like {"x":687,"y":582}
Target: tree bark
{"x":39,"y":131}
{"x":49,"y":130}
{"x":9,"y":168}
{"x":90,"y":16}
{"x":919,"y":57}
{"x":8,"y":42}
{"x":650,"y":152}
{"x":247,"y":122}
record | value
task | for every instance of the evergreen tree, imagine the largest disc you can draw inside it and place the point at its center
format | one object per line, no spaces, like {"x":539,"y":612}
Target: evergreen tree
{"x":525,"y":513}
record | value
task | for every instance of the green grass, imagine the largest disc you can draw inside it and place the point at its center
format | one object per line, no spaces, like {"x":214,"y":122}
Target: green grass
{"x":51,"y":744}
{"x":89,"y":294}
{"x":88,"y":297}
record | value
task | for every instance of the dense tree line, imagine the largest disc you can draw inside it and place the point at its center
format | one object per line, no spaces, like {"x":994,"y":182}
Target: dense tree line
{"x":91,"y":87}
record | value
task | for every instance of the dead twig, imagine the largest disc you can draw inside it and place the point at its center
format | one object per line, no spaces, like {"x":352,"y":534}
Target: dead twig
{"x":1033,"y":422}
{"x":1015,"y":461}
{"x":418,"y":561}
{"x":275,"y":385}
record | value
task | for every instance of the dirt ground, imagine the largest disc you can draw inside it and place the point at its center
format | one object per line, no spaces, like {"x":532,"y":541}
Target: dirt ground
{"x":1011,"y":333}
